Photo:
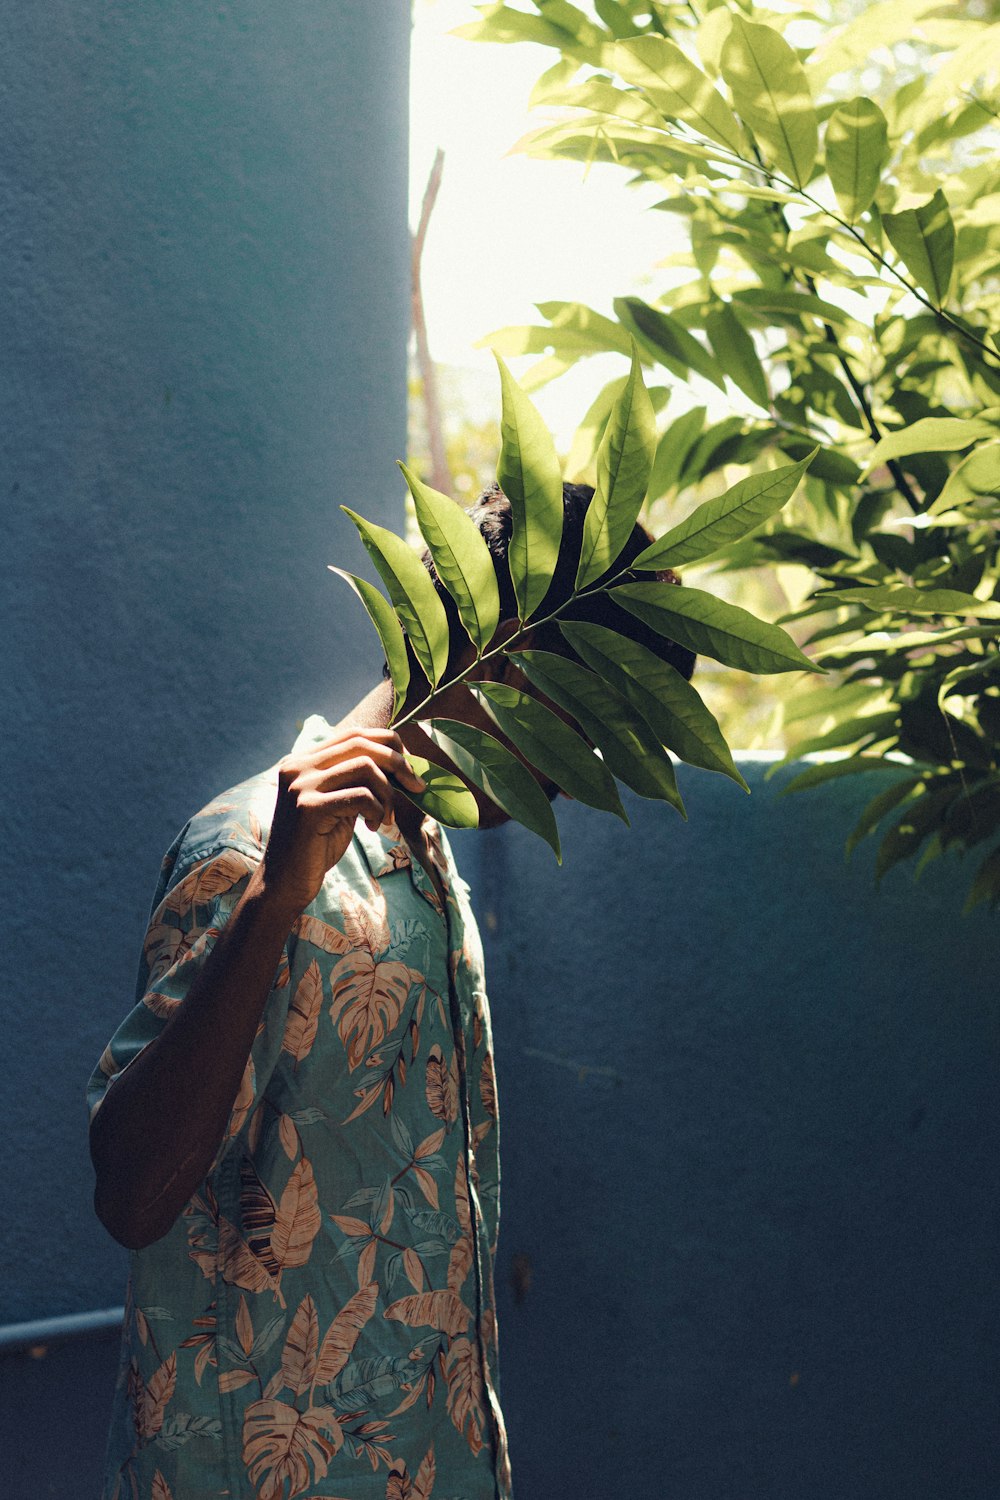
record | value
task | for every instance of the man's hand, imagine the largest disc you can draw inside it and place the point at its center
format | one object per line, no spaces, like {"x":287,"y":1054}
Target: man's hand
{"x":320,"y":795}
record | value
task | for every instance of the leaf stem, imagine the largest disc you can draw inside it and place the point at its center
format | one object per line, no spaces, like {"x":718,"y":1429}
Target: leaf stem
{"x":505,"y":647}
{"x":857,"y":389}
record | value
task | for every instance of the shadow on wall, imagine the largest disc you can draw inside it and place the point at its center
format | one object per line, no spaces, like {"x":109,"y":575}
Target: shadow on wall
{"x":751,"y":1121}
{"x":44,"y":1454}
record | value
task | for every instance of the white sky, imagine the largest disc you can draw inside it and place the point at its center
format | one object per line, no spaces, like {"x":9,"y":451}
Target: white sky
{"x":509,"y":231}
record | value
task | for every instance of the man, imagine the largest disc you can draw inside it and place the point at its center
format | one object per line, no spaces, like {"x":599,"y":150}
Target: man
{"x":295,"y":1129}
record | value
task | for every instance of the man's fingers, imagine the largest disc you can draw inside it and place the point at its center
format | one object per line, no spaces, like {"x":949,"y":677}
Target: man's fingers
{"x":397,"y":765}
{"x":347,"y":803}
{"x":382,"y":746}
{"x":352,"y":741}
{"x":349,"y":776}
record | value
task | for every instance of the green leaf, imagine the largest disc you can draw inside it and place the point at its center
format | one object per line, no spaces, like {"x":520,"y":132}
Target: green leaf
{"x":816,"y":701}
{"x":831,"y":465}
{"x":713,"y":449}
{"x":447,"y":798}
{"x":975,"y":478}
{"x":461,"y":557}
{"x":776,"y":305}
{"x":970,"y":73}
{"x":709,"y":36}
{"x":857,"y":149}
{"x":975,"y":813}
{"x":880,"y":25}
{"x":553,"y":80}
{"x":550,"y":745}
{"x":582,"y":454}
{"x":713,"y":628}
{"x":630,"y":749}
{"x":604,"y":139}
{"x":771,"y":93}
{"x":624,"y":461}
{"x":881,"y":643}
{"x":596,"y":332}
{"x":506,"y":781}
{"x":736,"y":352}
{"x":668,"y":338}
{"x":535,"y":338}
{"x":673,"y":449}
{"x":530,"y":477}
{"x":725,"y":519}
{"x":924,"y":240}
{"x":902,"y":599}
{"x":666,"y":700}
{"x":677,"y":88}
{"x":872,"y":728}
{"x":577,"y":26}
{"x":986,"y":885}
{"x":390,"y":633}
{"x":615,"y":17}
{"x":413,"y":595}
{"x":930,"y":435}
{"x":905,"y":836}
{"x":602,"y":97}
{"x":502,"y":23}
{"x":798,"y":546}
{"x":739,"y":187}
{"x":952,"y":683}
{"x":878,"y":808}
{"x":833,"y":770}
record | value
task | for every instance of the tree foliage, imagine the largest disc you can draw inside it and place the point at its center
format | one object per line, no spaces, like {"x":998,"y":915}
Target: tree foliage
{"x":629,"y":708}
{"x":837,"y":179}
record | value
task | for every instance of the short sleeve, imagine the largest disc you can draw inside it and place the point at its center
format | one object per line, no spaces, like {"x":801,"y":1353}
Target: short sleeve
{"x":182,"y":932}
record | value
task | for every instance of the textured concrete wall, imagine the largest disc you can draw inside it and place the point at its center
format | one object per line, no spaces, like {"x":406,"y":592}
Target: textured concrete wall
{"x":206,"y":297}
{"x":750,"y":1132}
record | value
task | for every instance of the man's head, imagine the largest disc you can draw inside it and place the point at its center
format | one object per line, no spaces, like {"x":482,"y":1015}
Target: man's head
{"x":492,"y":514}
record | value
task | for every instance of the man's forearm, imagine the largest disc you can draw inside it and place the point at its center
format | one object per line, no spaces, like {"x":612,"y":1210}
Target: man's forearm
{"x":160,"y":1125}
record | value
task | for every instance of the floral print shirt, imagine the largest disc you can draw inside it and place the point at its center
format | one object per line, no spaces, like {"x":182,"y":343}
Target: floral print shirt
{"x":320,"y":1319}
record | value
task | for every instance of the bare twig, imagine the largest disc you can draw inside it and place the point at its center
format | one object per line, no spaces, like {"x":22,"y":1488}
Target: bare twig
{"x":440,"y":476}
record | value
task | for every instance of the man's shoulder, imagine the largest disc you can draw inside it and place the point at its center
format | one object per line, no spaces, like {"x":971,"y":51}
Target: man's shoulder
{"x":238,"y":819}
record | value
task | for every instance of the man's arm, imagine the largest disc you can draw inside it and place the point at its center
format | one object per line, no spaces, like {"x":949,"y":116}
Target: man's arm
{"x":161,"y":1122}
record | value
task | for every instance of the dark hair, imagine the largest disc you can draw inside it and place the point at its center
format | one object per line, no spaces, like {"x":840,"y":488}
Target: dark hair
{"x":492,"y":514}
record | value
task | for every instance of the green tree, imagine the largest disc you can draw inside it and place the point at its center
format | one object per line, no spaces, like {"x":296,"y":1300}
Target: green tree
{"x":837,"y":179}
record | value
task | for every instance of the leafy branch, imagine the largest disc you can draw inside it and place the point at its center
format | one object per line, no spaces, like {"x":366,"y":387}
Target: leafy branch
{"x":624,"y":701}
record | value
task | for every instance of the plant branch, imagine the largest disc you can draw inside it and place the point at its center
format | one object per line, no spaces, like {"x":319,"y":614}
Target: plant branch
{"x":735,"y":159}
{"x":505,"y":647}
{"x":876,"y":255}
{"x":857,"y":389}
{"x":861,"y":399}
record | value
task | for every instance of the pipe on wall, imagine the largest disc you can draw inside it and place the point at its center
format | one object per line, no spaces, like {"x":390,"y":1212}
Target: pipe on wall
{"x":40,"y":1333}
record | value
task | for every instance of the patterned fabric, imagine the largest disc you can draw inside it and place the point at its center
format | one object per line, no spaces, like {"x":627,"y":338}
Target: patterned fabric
{"x":320,"y":1320}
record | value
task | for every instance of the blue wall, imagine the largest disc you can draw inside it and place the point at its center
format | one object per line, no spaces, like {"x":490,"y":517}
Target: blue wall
{"x":750,"y":1133}
{"x":206,"y":299}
